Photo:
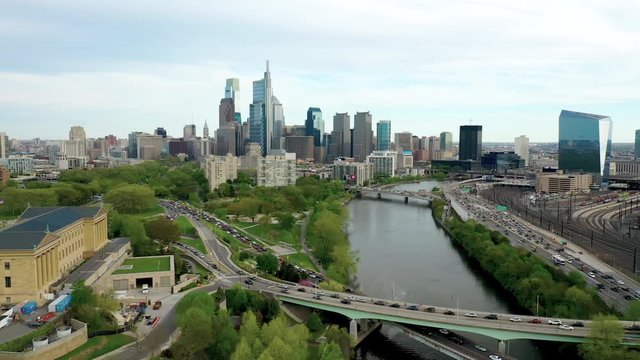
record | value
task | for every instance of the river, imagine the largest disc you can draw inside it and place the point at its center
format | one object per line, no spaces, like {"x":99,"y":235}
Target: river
{"x":404,"y":254}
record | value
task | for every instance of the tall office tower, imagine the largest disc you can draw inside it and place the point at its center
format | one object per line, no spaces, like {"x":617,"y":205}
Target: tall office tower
{"x":415,"y":142}
{"x":470,"y":142}
{"x":205,"y":130}
{"x":160,"y":132}
{"x":637,"y":145}
{"x":584,"y":143}
{"x":278,"y":123}
{"x":446,"y":141}
{"x":3,"y":145}
{"x":362,"y":136}
{"x":403,"y":140}
{"x":133,"y":144}
{"x":232,"y":91}
{"x":189,"y":132}
{"x":226,"y":140}
{"x":424,"y":143}
{"x":77,"y":133}
{"x":226,"y":112}
{"x":261,"y":113}
{"x":521,"y":148}
{"x":314,"y":126}
{"x":383,"y":135}
{"x":434,"y":148}
{"x":340,"y":143}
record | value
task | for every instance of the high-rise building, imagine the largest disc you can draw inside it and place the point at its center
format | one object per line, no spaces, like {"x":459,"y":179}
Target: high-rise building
{"x":150,"y":146}
{"x":521,"y":148}
{"x":277,"y":170}
{"x":278,"y":123}
{"x":160,"y":132}
{"x":446,"y":141}
{"x":3,"y":145}
{"x":434,"y":148}
{"x":302,"y":146}
{"x":226,"y":112}
{"x":232,"y":91}
{"x":340,"y":144}
{"x":383,"y":135}
{"x":205,"y":130}
{"x":584,"y":143}
{"x":383,"y":163}
{"x":133,"y":144}
{"x":261,"y":113}
{"x":362,"y":136}
{"x":226,"y":140}
{"x":219,"y":169}
{"x":404,"y":140}
{"x":637,"y":145}
{"x":354,"y":173}
{"x":314,"y":125}
{"x":77,"y":133}
{"x":470,"y":142}
{"x":189,"y":132}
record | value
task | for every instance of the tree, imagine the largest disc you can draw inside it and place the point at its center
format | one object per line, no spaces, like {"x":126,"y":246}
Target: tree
{"x":163,"y":229}
{"x":243,"y":351}
{"x":314,"y":323}
{"x":265,"y":224}
{"x":249,"y":328}
{"x":605,"y":341}
{"x":17,"y":200}
{"x":331,"y":351}
{"x":633,"y":312}
{"x":267,"y":263}
{"x":197,"y":332}
{"x":286,"y":220}
{"x":140,"y":243}
{"x":131,"y":199}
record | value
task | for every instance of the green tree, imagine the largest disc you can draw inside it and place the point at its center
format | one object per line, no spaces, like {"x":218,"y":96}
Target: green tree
{"x":267,"y":263}
{"x":163,"y":229}
{"x":140,"y":243}
{"x":633,"y":312}
{"x":314,"y":323}
{"x":197,"y":333}
{"x":249,"y":328}
{"x":331,"y":351}
{"x":605,"y":341}
{"x":17,"y":200}
{"x":286,"y":220}
{"x":131,"y":199}
{"x":243,"y":351}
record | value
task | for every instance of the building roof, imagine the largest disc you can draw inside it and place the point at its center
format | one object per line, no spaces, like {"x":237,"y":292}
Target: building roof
{"x":35,"y":223}
{"x":586,"y":115}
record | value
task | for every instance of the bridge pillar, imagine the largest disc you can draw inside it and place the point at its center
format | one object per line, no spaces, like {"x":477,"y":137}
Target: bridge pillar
{"x":502,"y":346}
{"x":406,"y":199}
{"x":353,"y":329}
{"x":379,"y":196}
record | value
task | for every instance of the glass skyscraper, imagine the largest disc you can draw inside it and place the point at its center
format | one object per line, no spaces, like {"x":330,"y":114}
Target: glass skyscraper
{"x":261,"y":113}
{"x":637,"y":145}
{"x":383,"y":135}
{"x":314,"y":126}
{"x":584,"y":143}
{"x":470,"y":142}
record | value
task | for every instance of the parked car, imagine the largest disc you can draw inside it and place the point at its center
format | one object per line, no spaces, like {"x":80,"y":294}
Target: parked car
{"x":157,"y":305}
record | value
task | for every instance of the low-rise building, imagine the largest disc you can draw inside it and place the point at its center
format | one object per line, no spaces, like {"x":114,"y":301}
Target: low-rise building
{"x":625,"y":168}
{"x":45,"y":244}
{"x":563,"y":183}
{"x":383,"y":163}
{"x":219,"y":169}
{"x":153,"y":271}
{"x":352,"y":172}
{"x":502,"y":161}
{"x":277,"y":170}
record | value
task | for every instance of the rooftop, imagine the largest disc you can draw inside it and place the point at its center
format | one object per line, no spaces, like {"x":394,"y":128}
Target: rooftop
{"x":144,"y":264}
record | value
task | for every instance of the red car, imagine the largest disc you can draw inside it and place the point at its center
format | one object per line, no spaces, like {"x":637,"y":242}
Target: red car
{"x":46,"y":317}
{"x":535,"y":321}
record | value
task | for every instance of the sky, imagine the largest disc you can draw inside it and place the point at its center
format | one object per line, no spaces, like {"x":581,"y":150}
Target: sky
{"x":428,"y":66}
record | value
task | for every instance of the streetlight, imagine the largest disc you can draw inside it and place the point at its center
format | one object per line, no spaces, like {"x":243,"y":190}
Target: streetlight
{"x":537,"y":305}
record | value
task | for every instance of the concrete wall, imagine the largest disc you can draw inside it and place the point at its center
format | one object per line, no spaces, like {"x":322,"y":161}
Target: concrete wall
{"x":176,"y":288}
{"x":55,"y":349}
{"x":101,"y":280}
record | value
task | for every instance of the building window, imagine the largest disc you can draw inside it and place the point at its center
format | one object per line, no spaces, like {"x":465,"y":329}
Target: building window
{"x":7,"y":265}
{"x":7,"y":281}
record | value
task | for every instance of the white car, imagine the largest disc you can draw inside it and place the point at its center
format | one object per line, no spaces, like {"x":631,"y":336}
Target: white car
{"x":555,"y":322}
{"x":591,"y":274}
{"x":481,"y":348}
{"x":566,"y":327}
{"x":444,"y":331}
{"x":620,"y":282}
{"x":495,"y":357}
{"x":471,"y":314}
{"x":515,"y":319}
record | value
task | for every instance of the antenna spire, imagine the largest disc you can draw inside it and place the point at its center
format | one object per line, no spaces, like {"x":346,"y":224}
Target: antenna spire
{"x":267,"y":65}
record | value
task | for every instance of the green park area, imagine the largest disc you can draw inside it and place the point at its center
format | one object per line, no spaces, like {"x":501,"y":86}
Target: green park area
{"x":196,"y":243}
{"x":145,"y":264}
{"x":185,"y":226}
{"x":301,"y":260}
{"x":98,"y":346}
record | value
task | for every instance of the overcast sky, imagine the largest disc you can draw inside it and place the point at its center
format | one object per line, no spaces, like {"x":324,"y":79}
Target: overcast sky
{"x":428,"y":66}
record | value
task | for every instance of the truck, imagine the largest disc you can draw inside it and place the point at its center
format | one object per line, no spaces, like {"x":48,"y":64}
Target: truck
{"x":60,"y":304}
{"x":29,"y":307}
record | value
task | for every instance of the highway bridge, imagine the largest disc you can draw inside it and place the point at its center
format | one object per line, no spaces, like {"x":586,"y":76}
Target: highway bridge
{"x":416,"y":195}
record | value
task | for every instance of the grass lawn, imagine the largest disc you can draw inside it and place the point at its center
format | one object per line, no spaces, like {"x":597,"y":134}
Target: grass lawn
{"x":301,"y":260}
{"x":233,"y":242}
{"x":196,"y":243}
{"x":98,"y":346}
{"x":154,"y":211}
{"x":145,"y":264}
{"x":8,"y":216}
{"x":242,"y":225}
{"x":185,"y":226}
{"x":274,"y":234}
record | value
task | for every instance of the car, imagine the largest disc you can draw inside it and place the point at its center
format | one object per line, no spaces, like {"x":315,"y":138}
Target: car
{"x":444,"y":331}
{"x":535,"y":321}
{"x":495,"y":357}
{"x":380,"y":302}
{"x":565,"y":327}
{"x":248,"y":282}
{"x":301,"y":289}
{"x":481,"y":348}
{"x":284,"y":291}
{"x":491,"y":317}
{"x":615,"y":289}
{"x":449,"y":312}
{"x":515,"y":319}
{"x":633,"y":328}
{"x":554,"y":322}
{"x":430,"y":309}
{"x":412,"y":307}
{"x":157,"y":305}
{"x":628,"y":297}
{"x":620,"y":282}
{"x":36,"y":324}
{"x":317,"y":296}
{"x":335,"y":296}
{"x":456,"y":340}
{"x":600,"y":286}
{"x":396,"y":305}
{"x":591,"y":274}
{"x":345,"y":301}
{"x":578,"y":324}
{"x":471,"y":314}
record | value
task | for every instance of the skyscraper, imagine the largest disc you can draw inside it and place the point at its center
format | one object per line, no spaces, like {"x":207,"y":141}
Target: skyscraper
{"x":314,"y":125}
{"x":226,"y":112}
{"x":521,"y":148}
{"x":404,"y":140}
{"x":584,"y":143}
{"x":189,"y":132}
{"x":278,"y":122}
{"x":3,"y":145}
{"x":470,"y":142}
{"x":77,"y":133}
{"x":340,"y":144}
{"x":205,"y":130}
{"x":434,"y":148}
{"x":637,"y":145}
{"x":161,"y":132}
{"x":261,"y":113}
{"x":446,"y":141}
{"x":232,"y":91}
{"x":383,"y":135}
{"x":362,"y":136}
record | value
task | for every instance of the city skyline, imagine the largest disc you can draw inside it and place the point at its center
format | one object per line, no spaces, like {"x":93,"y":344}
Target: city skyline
{"x":511,"y":64}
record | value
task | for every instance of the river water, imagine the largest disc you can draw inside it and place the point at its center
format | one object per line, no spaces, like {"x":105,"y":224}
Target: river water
{"x":404,"y":255}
